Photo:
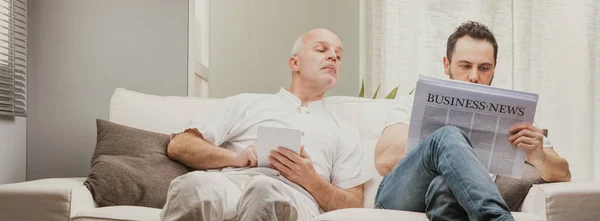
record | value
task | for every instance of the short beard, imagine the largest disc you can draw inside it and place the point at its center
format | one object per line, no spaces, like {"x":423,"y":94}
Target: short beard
{"x":451,"y":77}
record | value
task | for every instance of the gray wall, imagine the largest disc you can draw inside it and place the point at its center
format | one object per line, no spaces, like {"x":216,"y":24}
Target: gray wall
{"x":79,"y":52}
{"x":251,"y":42}
{"x":12,"y":149}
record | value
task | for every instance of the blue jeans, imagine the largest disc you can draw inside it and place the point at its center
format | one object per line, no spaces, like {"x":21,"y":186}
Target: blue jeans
{"x":443,"y":178}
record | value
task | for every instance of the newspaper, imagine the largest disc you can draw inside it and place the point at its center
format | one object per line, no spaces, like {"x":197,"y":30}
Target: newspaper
{"x":483,"y":112}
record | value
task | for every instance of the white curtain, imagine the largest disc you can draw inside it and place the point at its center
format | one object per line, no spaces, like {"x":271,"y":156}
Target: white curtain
{"x":546,"y":47}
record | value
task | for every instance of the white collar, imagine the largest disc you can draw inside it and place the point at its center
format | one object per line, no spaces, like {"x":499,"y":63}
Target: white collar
{"x":294,"y":100}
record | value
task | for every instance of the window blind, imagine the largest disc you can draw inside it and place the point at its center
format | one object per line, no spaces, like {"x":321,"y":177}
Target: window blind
{"x":13,"y":57}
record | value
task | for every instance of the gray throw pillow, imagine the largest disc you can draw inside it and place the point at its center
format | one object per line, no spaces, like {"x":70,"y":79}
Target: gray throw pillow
{"x":513,"y":190}
{"x":130,"y":167}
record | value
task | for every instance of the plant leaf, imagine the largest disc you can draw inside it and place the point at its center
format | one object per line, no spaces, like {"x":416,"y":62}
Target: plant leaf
{"x":392,"y":94}
{"x":376,"y":92}
{"x":362,"y":89}
{"x":413,"y":90}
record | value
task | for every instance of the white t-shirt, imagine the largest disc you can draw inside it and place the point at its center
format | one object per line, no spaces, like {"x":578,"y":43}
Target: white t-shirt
{"x":402,"y":111}
{"x":331,"y":143}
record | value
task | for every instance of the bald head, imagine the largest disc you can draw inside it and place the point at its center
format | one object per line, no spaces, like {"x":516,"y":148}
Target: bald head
{"x":316,"y":60}
{"x":297,"y":48}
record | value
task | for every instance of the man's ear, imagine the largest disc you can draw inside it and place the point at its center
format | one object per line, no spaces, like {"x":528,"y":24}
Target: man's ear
{"x":293,"y":63}
{"x":446,"y":65}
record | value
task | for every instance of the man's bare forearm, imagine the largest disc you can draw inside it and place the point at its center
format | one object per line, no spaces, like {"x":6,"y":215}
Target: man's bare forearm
{"x":331,"y":198}
{"x":193,"y":151}
{"x":552,"y":167}
{"x":389,"y":157}
{"x":391,"y":147}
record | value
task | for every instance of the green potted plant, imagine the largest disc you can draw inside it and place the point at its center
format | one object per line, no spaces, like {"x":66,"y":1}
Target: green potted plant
{"x":391,"y":95}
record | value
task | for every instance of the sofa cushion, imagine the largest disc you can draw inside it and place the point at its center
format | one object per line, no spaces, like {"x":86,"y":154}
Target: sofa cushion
{"x":360,"y":214}
{"x":513,"y":190}
{"x":118,"y":213}
{"x":130,"y":167}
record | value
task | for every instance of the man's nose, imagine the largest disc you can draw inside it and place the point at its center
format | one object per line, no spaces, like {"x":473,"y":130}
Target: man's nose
{"x":331,"y":55}
{"x":473,"y":76}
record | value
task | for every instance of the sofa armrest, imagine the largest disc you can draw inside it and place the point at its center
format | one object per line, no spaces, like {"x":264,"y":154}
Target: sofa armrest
{"x":46,"y":199}
{"x":564,"y":201}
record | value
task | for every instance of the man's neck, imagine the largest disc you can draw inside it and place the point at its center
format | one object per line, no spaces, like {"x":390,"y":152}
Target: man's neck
{"x":305,"y":94}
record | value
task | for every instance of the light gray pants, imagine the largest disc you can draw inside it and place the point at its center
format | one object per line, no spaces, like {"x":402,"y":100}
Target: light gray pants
{"x":201,"y":195}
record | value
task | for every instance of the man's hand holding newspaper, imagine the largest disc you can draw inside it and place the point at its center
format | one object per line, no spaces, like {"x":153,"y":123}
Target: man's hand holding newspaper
{"x":529,"y":139}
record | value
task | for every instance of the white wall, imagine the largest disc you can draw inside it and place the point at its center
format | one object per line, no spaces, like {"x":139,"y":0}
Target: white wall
{"x":12,"y":149}
{"x":79,"y":53}
{"x":251,"y":41}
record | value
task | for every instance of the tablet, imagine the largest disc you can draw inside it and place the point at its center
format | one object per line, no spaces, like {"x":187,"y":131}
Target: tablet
{"x":270,"y":138}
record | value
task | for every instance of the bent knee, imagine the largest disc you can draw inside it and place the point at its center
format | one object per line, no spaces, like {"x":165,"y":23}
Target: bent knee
{"x":449,"y":129}
{"x":199,"y":182}
{"x":263,"y":185}
{"x":449,"y":132}
{"x":268,"y":190}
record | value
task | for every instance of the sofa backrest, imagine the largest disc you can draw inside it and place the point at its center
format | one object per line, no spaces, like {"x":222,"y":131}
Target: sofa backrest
{"x":162,"y":114}
{"x":366,"y":114}
{"x":168,"y":114}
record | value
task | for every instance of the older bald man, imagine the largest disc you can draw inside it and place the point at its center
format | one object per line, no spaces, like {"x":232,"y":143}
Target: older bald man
{"x":326,"y":175}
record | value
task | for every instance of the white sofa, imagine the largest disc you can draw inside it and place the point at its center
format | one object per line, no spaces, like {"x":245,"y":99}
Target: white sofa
{"x":67,"y":198}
